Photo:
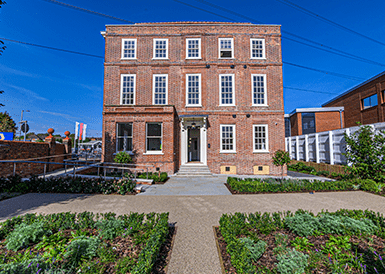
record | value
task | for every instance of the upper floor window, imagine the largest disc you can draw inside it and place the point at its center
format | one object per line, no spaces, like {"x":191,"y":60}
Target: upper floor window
{"x":124,"y":137}
{"x":227,"y":138}
{"x":226,"y":48}
{"x":261,"y":138}
{"x":159,"y":88}
{"x":153,"y":138}
{"x":193,"y":48}
{"x":226,"y":89}
{"x":257,"y":47}
{"x":259,"y":89}
{"x":369,"y":102}
{"x":308,"y":122}
{"x":160,"y":49}
{"x":193,"y":89}
{"x":128,"y":48}
{"x":127,"y":89}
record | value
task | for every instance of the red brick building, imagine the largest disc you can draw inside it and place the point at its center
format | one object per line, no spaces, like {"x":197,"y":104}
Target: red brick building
{"x":194,"y":94}
{"x":364,"y":103}
{"x":313,"y":120}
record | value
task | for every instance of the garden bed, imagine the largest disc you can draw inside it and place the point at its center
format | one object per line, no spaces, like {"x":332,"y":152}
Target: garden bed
{"x":86,"y":243}
{"x":271,"y":185}
{"x":346,"y":241}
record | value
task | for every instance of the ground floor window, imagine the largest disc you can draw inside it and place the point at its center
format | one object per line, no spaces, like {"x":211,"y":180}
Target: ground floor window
{"x":261,"y":140}
{"x":124,"y":137}
{"x":154,"y":137}
{"x":227,"y":138}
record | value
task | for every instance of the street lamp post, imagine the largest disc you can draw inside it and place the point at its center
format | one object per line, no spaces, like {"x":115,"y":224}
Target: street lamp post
{"x":23,"y":122}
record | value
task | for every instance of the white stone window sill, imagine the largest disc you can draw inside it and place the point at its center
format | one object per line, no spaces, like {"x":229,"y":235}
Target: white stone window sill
{"x":153,"y":153}
{"x":228,"y":152}
{"x":260,"y":105}
{"x":160,"y":59}
{"x":233,"y":105}
{"x":194,"y":106}
{"x":260,"y":151}
{"x":193,"y":58}
{"x":128,"y":58}
{"x":258,"y":58}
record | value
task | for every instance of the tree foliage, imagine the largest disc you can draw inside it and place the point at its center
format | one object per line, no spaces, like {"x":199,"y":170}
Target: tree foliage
{"x":7,"y":124}
{"x":281,"y":158}
{"x":365,"y":153}
{"x":2,"y":47}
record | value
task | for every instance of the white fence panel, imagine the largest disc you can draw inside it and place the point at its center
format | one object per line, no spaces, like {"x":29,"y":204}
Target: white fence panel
{"x":323,"y":147}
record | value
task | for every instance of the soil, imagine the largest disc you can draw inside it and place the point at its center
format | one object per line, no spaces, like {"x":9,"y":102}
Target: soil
{"x":269,"y":260}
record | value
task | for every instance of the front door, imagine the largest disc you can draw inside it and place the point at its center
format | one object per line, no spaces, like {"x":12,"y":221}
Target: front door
{"x":193,"y":145}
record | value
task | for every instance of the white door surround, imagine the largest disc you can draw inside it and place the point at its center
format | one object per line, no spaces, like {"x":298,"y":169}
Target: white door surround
{"x":193,"y":122}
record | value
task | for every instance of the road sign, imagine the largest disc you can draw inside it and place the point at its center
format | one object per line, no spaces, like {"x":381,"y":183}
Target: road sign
{"x":6,"y":136}
{"x":24,"y":128}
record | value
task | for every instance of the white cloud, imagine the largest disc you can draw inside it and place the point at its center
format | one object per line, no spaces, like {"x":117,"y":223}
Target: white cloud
{"x":28,"y":92}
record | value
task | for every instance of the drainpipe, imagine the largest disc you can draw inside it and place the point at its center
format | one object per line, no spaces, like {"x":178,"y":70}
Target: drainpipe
{"x":341,"y":118}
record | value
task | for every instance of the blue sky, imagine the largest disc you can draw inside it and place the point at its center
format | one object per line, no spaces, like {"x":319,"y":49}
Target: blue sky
{"x":61,"y":88}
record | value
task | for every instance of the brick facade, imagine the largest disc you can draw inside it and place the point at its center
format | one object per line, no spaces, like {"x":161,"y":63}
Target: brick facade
{"x":352,"y":102}
{"x":243,"y":114}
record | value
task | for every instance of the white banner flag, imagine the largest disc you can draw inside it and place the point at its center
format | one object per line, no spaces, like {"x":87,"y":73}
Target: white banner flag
{"x":76,"y":130}
{"x":84,"y":131}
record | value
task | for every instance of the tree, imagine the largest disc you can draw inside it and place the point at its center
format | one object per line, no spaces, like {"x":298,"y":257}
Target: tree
{"x":365,"y":153}
{"x":2,"y":47}
{"x":281,"y":158}
{"x":6,"y":122}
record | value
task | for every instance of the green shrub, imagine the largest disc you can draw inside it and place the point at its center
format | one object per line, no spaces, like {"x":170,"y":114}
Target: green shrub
{"x":281,"y":158}
{"x":31,"y":266}
{"x":323,"y":173}
{"x":256,"y":249}
{"x":293,"y":262}
{"x":25,"y":234}
{"x":81,"y":248}
{"x":163,"y":176}
{"x":122,"y":157}
{"x":369,"y":185}
{"x":109,"y":229}
{"x":124,"y":265}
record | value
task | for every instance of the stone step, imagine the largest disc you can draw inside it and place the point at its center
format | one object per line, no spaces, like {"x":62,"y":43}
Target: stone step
{"x":194,"y":170}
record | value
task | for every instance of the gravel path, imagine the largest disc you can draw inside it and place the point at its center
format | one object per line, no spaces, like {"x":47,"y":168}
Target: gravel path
{"x":194,"y":249}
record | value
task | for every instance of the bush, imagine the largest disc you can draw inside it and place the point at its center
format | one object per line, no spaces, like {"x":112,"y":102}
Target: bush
{"x":323,"y":173}
{"x":281,"y":158}
{"x":122,"y":158}
{"x":365,"y":152}
{"x":370,"y":185}
{"x":256,"y":249}
{"x":81,"y":248}
{"x":293,"y":262}
{"x":301,"y":167}
{"x":25,"y":234}
{"x":30,"y":266}
{"x":109,"y":229}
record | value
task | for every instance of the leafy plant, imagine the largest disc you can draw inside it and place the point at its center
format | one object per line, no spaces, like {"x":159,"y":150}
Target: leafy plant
{"x":31,"y":266}
{"x":124,"y":265}
{"x":370,"y":185}
{"x":25,"y":234}
{"x":53,"y":245}
{"x":122,"y":157}
{"x":335,"y":245}
{"x":110,"y":228}
{"x":281,"y":158}
{"x":301,"y":244}
{"x":256,"y":249}
{"x":281,"y":243}
{"x":81,"y":248}
{"x":365,"y":152}
{"x":292,"y":262}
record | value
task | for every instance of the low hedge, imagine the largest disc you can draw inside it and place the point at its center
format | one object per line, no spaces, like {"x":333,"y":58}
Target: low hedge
{"x":154,"y":176}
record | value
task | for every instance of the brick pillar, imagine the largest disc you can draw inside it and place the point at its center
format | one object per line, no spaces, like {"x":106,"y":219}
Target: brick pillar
{"x":52,"y":145}
{"x":67,"y":143}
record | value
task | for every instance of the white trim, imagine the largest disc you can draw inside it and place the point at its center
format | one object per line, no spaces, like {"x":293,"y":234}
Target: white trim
{"x":234,"y":150}
{"x":121,"y":88}
{"x":153,"y":88}
{"x":263,"y":48}
{"x":150,"y":152}
{"x":199,"y":87}
{"x":264,"y":87}
{"x":154,"y":48}
{"x":220,"y":90}
{"x":267,"y":139}
{"x":135,"y":49}
{"x":219,"y":48}
{"x":199,"y":48}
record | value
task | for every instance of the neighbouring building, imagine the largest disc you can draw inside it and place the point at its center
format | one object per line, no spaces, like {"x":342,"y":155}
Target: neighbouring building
{"x":312,"y":120}
{"x":187,"y":94}
{"x":363,"y":103}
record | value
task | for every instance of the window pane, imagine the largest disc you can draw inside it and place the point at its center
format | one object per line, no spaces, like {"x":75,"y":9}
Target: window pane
{"x":160,"y":90}
{"x":258,"y":90}
{"x":227,"y":90}
{"x":154,"y":129}
{"x":227,"y":138}
{"x":124,"y":144}
{"x":128,"y":90}
{"x":125,"y":130}
{"x":124,"y":137}
{"x":193,"y":89}
{"x":193,"y":48}
{"x":370,"y":101}
{"x":154,"y":144}
{"x":260,"y":138}
{"x":257,"y":48}
{"x":129,"y":49}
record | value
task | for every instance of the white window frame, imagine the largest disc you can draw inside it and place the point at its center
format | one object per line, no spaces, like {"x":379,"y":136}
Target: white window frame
{"x":135,"y":48}
{"x":220,"y":90}
{"x":267,"y":139}
{"x":153,"y":88}
{"x":234,"y":150}
{"x":232,"y":48}
{"x":199,"y":87}
{"x":154,"y":49}
{"x":199,"y":48}
{"x":154,"y":152}
{"x":121,"y":88}
{"x":263,"y":48}
{"x":117,"y":137}
{"x":264,"y":87}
